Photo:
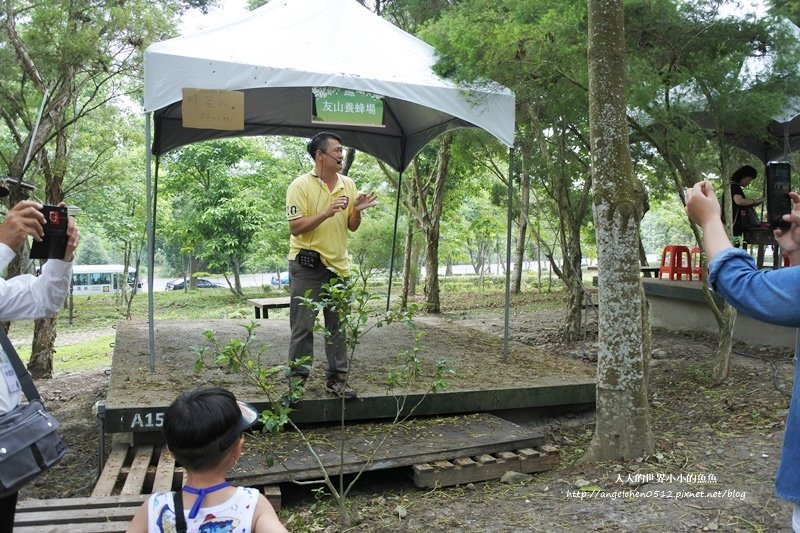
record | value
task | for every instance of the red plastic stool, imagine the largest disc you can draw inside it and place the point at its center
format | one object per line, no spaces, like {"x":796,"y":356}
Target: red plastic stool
{"x":697,"y":263}
{"x":676,"y":262}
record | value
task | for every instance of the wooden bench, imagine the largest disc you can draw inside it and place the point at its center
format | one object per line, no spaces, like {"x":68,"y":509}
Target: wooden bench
{"x":263,"y":305}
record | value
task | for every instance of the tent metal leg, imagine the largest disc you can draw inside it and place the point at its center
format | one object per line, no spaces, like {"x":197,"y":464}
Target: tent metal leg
{"x":151,"y":341}
{"x":508,"y":251}
{"x":394,"y":239}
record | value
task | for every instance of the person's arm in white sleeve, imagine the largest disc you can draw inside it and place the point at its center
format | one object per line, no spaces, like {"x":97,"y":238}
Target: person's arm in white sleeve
{"x":28,"y":296}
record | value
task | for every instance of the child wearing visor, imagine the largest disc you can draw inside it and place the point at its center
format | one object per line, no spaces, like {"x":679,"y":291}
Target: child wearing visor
{"x":203,"y":430}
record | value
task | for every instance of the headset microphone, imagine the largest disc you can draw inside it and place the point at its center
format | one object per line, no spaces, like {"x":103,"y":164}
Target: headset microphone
{"x":338,"y":161}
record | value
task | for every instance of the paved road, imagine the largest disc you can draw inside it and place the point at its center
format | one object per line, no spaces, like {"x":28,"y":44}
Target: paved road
{"x":248,"y":280}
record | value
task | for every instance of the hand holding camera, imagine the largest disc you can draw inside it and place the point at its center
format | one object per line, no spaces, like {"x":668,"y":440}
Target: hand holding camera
{"x":789,"y":238}
{"x":24,"y":219}
{"x":53,"y":244}
{"x":54,"y":233}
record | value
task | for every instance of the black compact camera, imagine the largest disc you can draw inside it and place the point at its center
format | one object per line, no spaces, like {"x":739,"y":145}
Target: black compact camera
{"x":54,"y":243}
{"x":778,"y":187}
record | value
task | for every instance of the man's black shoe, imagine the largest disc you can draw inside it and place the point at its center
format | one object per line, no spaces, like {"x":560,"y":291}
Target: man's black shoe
{"x":341,"y":389}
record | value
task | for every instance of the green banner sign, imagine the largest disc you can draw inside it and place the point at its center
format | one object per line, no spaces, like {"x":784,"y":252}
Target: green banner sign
{"x":347,"y":107}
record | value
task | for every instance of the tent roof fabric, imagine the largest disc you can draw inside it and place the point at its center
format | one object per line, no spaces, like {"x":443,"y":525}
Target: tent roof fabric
{"x":280,"y":51}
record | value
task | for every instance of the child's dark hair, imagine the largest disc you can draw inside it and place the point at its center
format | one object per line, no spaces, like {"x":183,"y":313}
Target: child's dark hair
{"x":742,"y":172}
{"x":201,"y":426}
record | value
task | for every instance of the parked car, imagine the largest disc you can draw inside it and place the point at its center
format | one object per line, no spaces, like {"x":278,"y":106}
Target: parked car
{"x":284,"y":279}
{"x":202,"y":283}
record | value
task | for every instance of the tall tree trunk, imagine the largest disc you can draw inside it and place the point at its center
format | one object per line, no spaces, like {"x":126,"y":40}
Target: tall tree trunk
{"x":623,"y":422}
{"x":429,"y":215}
{"x":424,"y":203}
{"x":135,"y":288}
{"x":44,"y":337}
{"x":407,"y":276}
{"x":431,"y":274}
{"x":570,"y":218}
{"x":410,"y":254}
{"x":522,"y":226}
{"x":44,"y":332}
{"x":684,"y":175}
{"x":349,"y":158}
{"x":413,"y":279}
{"x":237,"y":276}
{"x":572,"y":207}
{"x":571,"y":274}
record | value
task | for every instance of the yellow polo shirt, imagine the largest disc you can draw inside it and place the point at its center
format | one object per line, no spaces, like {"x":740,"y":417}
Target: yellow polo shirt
{"x":307,"y":196}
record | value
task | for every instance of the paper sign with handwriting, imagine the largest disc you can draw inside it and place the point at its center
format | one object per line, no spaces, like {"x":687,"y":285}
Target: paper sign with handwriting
{"x":213,"y":109}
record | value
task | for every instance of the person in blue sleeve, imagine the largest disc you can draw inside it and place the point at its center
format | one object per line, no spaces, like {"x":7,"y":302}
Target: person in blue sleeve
{"x":766,"y":295}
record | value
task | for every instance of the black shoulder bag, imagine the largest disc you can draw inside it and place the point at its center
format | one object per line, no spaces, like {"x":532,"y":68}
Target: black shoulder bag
{"x":29,"y":440}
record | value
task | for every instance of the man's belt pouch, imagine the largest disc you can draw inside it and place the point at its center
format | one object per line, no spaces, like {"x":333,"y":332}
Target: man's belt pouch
{"x":29,"y":440}
{"x":308,"y":258}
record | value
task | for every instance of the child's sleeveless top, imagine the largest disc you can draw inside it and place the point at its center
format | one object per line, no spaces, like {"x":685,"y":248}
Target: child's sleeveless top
{"x":234,"y":515}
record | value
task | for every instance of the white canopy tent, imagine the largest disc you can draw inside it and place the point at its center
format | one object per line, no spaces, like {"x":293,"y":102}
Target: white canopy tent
{"x":278,"y":53}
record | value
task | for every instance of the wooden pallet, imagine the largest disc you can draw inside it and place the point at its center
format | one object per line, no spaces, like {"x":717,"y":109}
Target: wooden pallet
{"x":79,"y":515}
{"x":130,"y":475}
{"x":484,"y":467}
{"x":147,"y":468}
{"x":142,"y":469}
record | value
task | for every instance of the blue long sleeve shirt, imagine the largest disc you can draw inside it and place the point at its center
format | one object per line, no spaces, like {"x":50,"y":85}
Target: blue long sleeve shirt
{"x":770,"y":296}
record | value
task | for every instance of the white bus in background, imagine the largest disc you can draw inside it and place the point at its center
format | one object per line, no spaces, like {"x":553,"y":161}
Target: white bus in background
{"x":89,"y":279}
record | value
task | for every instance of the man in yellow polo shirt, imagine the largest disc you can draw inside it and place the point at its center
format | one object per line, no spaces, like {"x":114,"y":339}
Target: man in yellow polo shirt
{"x":321,"y":207}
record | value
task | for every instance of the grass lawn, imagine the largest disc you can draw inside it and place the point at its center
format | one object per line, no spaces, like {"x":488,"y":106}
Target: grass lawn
{"x":87,"y":343}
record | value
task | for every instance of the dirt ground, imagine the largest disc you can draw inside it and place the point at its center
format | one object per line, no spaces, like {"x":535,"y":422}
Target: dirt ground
{"x":716,"y":451}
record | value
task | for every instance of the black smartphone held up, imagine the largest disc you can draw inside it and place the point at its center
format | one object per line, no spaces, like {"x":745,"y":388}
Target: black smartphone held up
{"x":54,"y":243}
{"x":778,"y":187}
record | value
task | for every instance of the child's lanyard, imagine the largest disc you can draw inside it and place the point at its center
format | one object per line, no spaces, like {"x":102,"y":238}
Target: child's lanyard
{"x":201,"y":493}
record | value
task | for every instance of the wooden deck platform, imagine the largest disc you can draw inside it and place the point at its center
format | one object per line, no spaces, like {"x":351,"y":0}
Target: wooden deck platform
{"x":480,"y":382}
{"x":269,"y":460}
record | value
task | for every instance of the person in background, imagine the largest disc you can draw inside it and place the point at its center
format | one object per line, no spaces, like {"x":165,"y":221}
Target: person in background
{"x":769,"y":296}
{"x":203,"y":429}
{"x":27,"y":296}
{"x":743,"y":214}
{"x":321,"y":207}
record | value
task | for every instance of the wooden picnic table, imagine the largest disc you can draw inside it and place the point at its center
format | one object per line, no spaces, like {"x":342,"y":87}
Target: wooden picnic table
{"x":263,"y":305}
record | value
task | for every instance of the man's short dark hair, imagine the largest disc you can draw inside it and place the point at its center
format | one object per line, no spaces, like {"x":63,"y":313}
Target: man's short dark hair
{"x":198,"y":426}
{"x":743,"y":172}
{"x":320,"y":142}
